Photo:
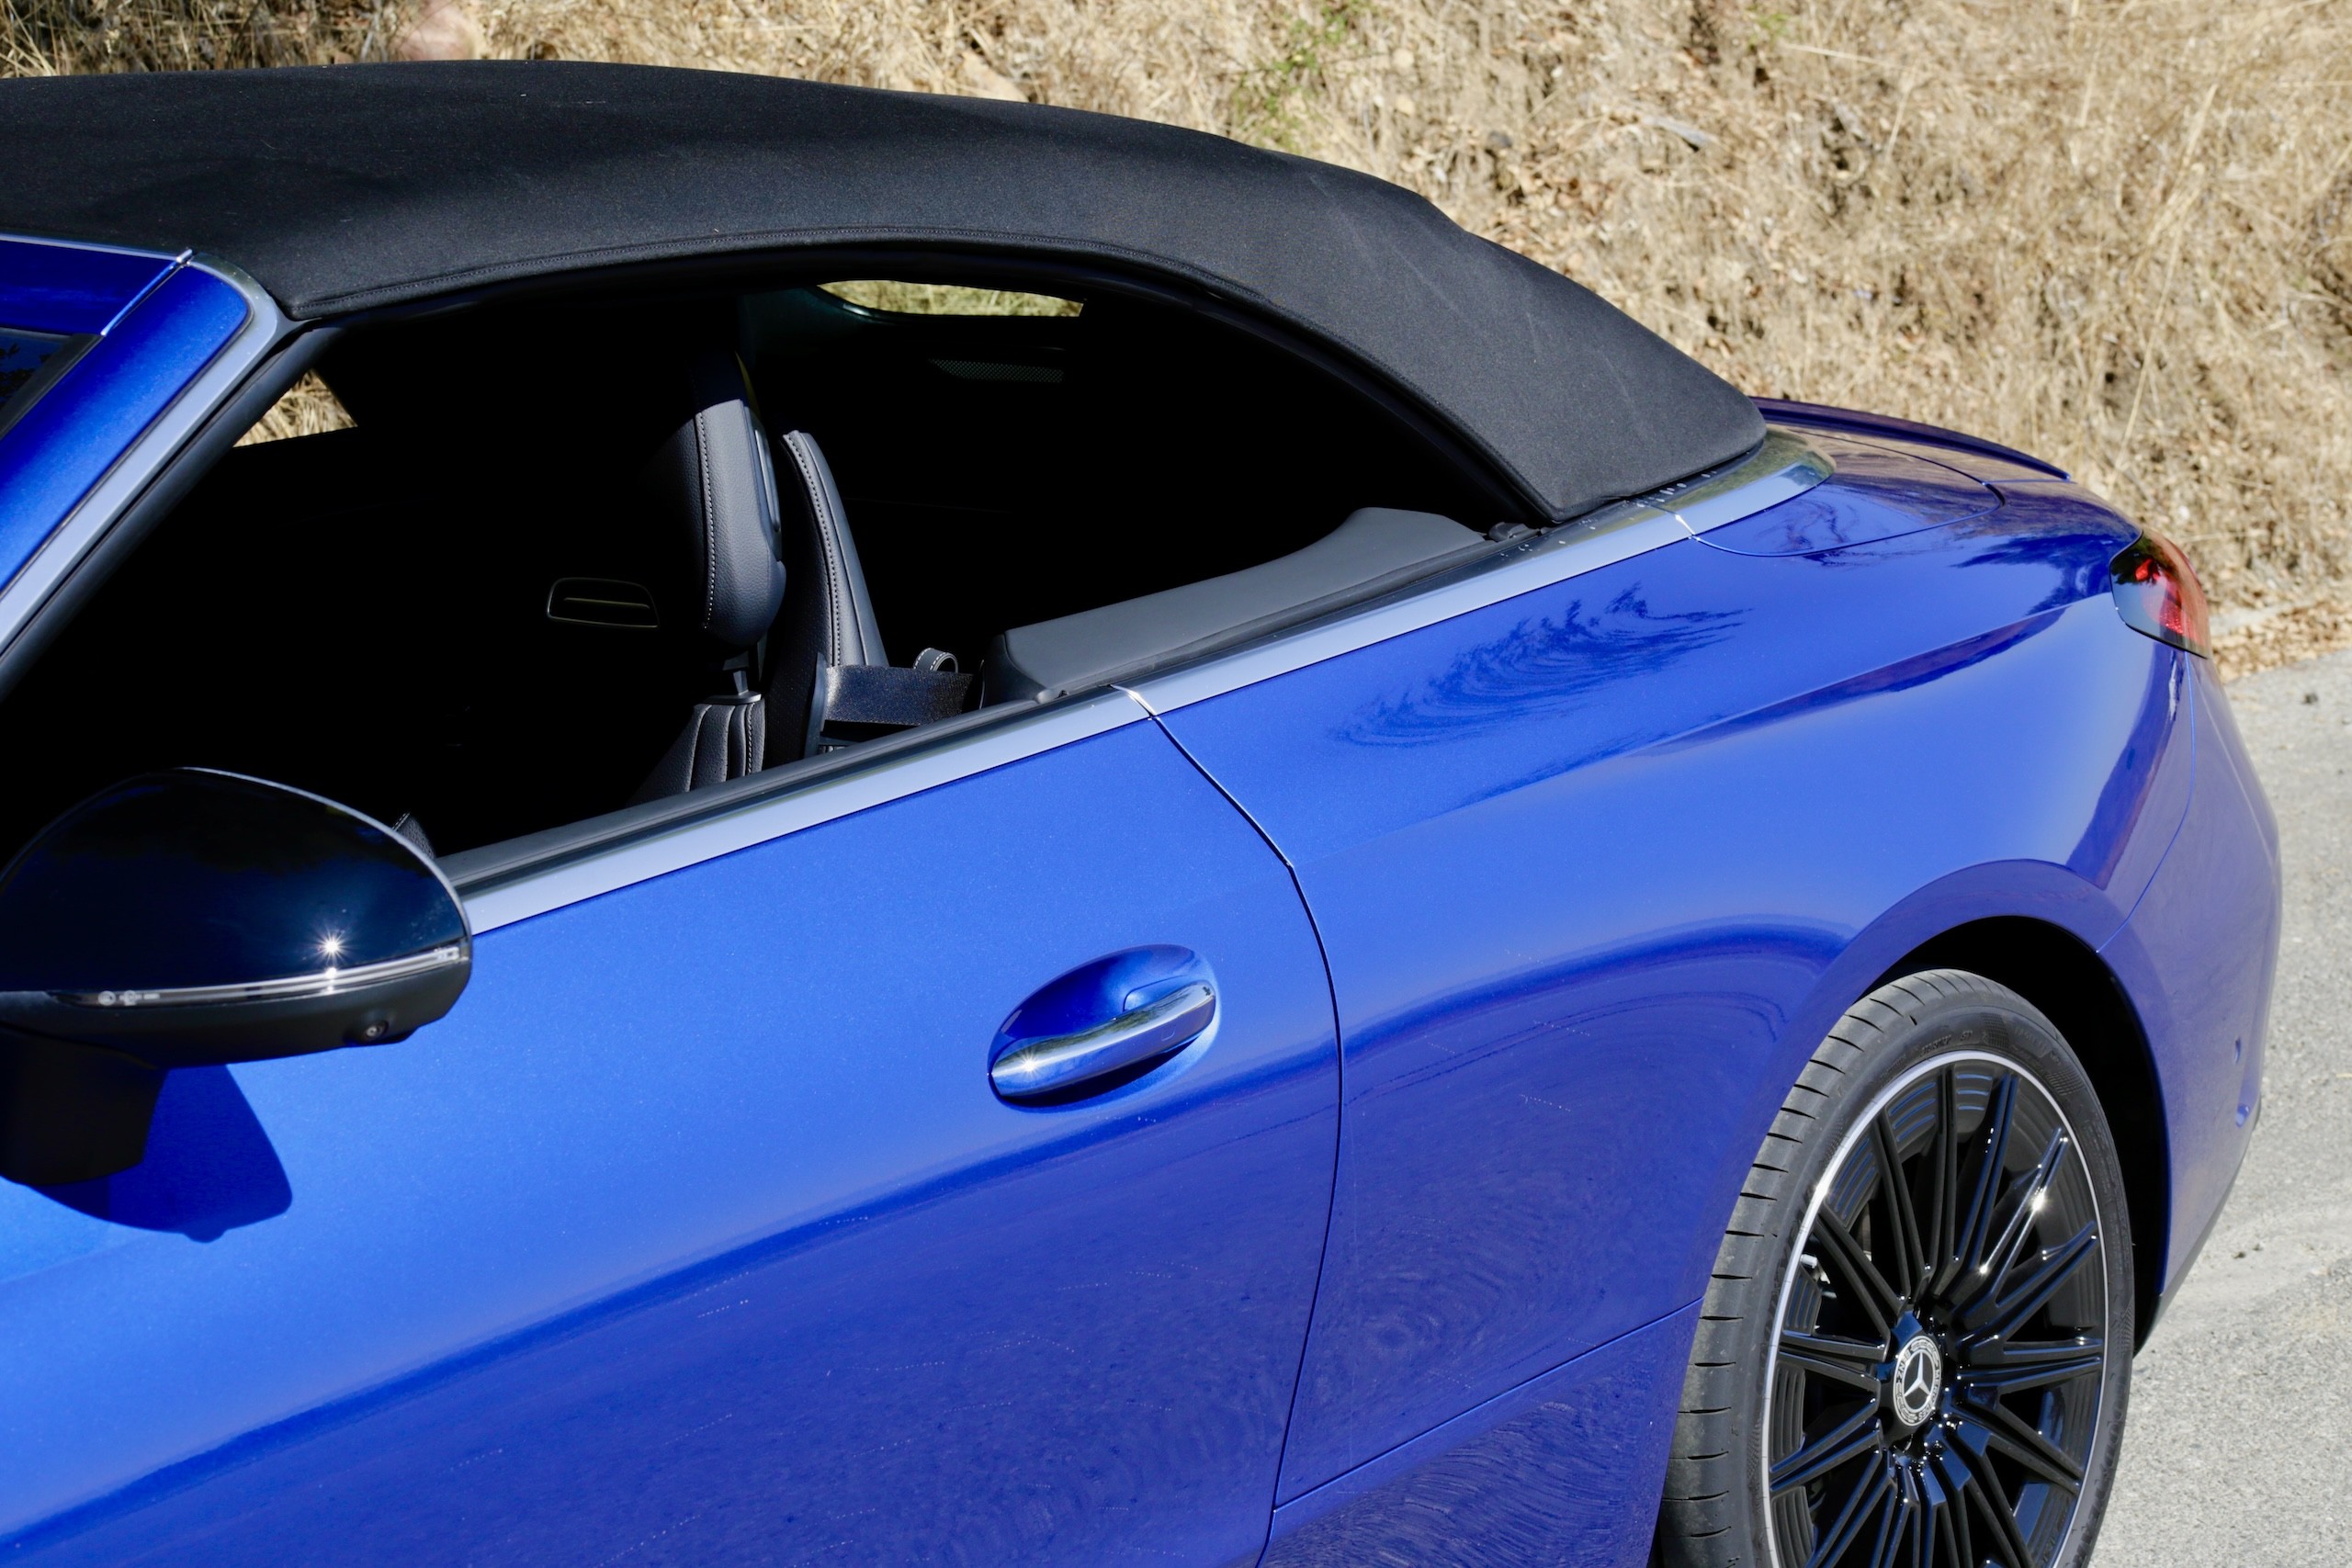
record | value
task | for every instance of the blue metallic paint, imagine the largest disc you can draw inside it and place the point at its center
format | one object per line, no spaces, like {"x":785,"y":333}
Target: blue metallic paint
{"x":75,"y":289}
{"x":1558,"y":1472}
{"x":65,"y":443}
{"x":1971,"y":455}
{"x":1594,"y":869}
{"x":694,"y":1234}
{"x":1880,"y":493}
{"x":2197,"y":958}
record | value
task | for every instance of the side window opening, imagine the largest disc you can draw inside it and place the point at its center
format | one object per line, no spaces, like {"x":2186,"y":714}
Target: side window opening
{"x":1004,"y":471}
{"x":456,"y":576}
{"x":309,"y":407}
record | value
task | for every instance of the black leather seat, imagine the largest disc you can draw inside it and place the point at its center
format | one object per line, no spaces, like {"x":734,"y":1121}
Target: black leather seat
{"x":829,"y":678}
{"x":829,"y":620}
{"x":711,"y":489}
{"x":794,"y":659}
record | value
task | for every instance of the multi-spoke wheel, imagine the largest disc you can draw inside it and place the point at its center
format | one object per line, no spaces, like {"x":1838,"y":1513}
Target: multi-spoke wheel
{"x":1915,"y":1347}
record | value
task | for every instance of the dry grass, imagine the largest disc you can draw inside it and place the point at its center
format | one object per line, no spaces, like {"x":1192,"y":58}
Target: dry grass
{"x":947,"y":298}
{"x":308,"y":407}
{"x":40,"y":38}
{"x":2116,"y":232}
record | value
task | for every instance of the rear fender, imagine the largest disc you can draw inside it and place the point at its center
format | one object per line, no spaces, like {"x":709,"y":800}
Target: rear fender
{"x":2199,"y":957}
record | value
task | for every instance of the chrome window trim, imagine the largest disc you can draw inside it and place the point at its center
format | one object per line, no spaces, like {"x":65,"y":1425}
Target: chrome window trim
{"x":10,"y":236}
{"x":1784,"y":466}
{"x":147,"y":457}
{"x":765,"y":817}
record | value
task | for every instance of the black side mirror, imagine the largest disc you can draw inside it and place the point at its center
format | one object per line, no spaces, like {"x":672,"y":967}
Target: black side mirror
{"x":190,"y":919}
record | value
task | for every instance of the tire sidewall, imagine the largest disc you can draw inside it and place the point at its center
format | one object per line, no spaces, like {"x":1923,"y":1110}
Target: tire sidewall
{"x":1971,"y":1017}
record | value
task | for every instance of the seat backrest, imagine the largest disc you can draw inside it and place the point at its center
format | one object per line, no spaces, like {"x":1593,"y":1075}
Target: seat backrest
{"x":711,"y":490}
{"x":828,"y":621}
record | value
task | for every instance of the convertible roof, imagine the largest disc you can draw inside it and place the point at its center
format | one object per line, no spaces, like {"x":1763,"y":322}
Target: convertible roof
{"x":344,"y":187}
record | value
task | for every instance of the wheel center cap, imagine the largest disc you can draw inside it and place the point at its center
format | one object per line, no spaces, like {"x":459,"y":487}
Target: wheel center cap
{"x":1919,"y":1379}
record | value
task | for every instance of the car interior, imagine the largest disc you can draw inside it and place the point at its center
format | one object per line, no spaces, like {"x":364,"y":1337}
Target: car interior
{"x":570,"y":556}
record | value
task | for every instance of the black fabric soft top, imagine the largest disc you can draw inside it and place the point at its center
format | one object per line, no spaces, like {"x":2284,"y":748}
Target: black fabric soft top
{"x":345,"y":188}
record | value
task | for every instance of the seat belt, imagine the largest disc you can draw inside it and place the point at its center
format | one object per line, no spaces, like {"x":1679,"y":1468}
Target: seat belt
{"x":859,"y":702}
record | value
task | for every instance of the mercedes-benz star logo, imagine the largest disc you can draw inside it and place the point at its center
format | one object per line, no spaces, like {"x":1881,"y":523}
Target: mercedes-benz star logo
{"x":1919,"y":1379}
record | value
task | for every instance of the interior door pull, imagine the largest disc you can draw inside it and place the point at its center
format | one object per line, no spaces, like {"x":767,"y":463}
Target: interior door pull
{"x":1052,"y":1066}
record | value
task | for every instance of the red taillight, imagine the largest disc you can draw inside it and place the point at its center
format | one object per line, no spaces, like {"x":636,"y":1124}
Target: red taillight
{"x":2159,"y":594}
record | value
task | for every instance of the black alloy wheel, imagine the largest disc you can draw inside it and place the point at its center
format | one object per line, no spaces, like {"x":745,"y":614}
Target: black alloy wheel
{"x":1916,"y":1349}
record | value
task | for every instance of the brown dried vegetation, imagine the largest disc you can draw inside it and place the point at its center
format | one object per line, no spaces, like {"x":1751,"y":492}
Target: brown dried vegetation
{"x":39,"y":38}
{"x":2114,"y":232}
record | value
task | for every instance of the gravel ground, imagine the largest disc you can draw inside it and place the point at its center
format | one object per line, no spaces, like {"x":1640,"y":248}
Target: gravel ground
{"x":2242,"y":1404}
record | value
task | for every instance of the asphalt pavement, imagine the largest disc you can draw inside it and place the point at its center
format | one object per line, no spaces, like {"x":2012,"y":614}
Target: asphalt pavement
{"x":2239,"y":1449}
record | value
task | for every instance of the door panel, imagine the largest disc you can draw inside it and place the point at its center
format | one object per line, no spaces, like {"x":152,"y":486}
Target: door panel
{"x":696,"y":1233}
{"x":1580,"y":858}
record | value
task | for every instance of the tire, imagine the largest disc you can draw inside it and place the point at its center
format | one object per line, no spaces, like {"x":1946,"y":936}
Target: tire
{"x":1881,"y":1376}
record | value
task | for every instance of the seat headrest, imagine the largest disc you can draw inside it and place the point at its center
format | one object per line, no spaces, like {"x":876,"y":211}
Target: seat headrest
{"x":714,"y":481}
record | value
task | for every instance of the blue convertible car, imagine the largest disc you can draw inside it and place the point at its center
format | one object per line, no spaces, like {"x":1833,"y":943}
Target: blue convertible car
{"x":1228,"y":879}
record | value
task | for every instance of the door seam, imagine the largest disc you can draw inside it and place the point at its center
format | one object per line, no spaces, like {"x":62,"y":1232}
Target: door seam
{"x":1339,"y":1120}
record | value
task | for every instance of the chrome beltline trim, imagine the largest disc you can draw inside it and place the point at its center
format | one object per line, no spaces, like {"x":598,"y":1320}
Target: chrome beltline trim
{"x":323,"y":983}
{"x":1784,"y":466}
{"x":95,"y":513}
{"x":11,"y":236}
{"x":766,"y":818}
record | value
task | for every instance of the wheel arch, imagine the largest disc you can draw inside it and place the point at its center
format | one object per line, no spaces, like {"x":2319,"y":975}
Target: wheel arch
{"x":2058,"y":972}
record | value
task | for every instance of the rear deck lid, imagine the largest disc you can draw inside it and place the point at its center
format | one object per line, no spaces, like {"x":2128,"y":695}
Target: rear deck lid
{"x":1882,"y":489}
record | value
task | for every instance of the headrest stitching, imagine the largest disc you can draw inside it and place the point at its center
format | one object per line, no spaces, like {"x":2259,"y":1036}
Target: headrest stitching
{"x":796,"y":442}
{"x":709,"y":524}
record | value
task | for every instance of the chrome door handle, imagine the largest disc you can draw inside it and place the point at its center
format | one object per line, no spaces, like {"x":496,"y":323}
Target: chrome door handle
{"x":1053,"y":1064}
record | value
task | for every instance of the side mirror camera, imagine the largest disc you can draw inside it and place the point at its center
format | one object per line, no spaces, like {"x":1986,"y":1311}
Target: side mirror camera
{"x":189,"y":918}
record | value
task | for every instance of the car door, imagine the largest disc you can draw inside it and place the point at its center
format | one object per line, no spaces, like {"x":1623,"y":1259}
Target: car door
{"x":696,"y":1233}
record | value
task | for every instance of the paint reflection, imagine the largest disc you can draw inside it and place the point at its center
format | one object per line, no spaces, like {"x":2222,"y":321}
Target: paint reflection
{"x":1876,"y":494}
{"x":1544,"y":666}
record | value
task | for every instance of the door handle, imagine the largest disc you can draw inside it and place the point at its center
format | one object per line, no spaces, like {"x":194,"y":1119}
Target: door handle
{"x":1051,"y":1065}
